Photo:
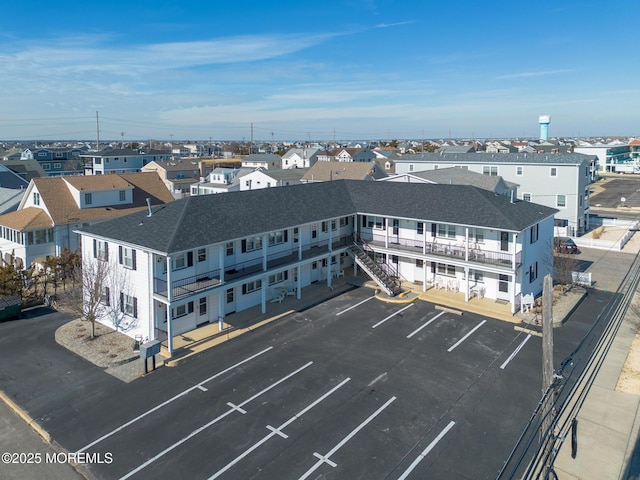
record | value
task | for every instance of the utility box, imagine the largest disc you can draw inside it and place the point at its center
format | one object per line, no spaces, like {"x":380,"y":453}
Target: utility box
{"x":10,"y":307}
{"x":149,"y":349}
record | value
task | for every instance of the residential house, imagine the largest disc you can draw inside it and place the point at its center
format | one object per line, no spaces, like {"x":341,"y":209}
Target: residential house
{"x":120,"y":160}
{"x":51,"y":153}
{"x":459,"y":176}
{"x":178,"y":175}
{"x":300,"y":157}
{"x":634,"y":146}
{"x":328,"y":171}
{"x":221,"y":180}
{"x":197,"y":260}
{"x":261,"y":178}
{"x":560,"y":181}
{"x":263,"y":160}
{"x":53,"y":207}
{"x":609,"y":156}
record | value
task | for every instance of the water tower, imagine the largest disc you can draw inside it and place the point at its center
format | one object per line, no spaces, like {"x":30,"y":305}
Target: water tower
{"x":544,"y":121}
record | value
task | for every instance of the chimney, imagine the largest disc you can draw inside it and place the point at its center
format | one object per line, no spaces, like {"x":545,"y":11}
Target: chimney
{"x":149,"y":207}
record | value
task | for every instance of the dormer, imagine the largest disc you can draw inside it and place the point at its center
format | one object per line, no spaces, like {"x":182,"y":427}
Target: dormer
{"x":100,"y":191}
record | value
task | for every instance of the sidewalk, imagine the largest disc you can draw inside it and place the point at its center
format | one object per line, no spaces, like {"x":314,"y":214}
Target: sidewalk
{"x":608,"y":423}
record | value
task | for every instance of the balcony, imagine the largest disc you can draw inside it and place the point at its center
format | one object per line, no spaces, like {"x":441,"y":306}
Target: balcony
{"x":193,"y":284}
{"x":476,"y":255}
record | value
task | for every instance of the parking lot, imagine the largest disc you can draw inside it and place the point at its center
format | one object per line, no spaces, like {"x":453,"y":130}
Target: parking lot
{"x":352,"y":388}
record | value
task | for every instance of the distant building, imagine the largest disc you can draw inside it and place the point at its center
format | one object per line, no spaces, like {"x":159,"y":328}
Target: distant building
{"x":328,"y":171}
{"x":118,"y":160}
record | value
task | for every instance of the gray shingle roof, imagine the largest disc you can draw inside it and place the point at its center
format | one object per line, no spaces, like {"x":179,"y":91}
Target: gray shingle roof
{"x":493,"y":158}
{"x":203,"y":220}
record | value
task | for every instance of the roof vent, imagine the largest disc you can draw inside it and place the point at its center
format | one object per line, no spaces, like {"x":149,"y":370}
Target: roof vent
{"x":149,"y":207}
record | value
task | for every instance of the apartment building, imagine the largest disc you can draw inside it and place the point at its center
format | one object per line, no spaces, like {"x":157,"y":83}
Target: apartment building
{"x":560,"y":180}
{"x":200,"y":259}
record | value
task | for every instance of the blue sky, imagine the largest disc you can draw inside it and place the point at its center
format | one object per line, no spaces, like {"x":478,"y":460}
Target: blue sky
{"x":352,"y":69}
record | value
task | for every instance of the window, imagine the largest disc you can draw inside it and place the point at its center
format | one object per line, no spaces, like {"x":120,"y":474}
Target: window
{"x":477,"y":235}
{"x":411,"y":167}
{"x":446,"y":230}
{"x":57,"y":165}
{"x":446,"y":269}
{"x":123,"y":195}
{"x":276,"y":238}
{"x":183,"y":260}
{"x":36,"y":198}
{"x":88,"y":198}
{"x":184,"y":309}
{"x":278,"y":277}
{"x":478,"y":277}
{"x":105,"y":297}
{"x":97,"y":161}
{"x":203,"y":306}
{"x":375,"y":222}
{"x":533,"y":272}
{"x":129,"y":305}
{"x":251,"y":287}
{"x":325,"y":227}
{"x":251,"y":244}
{"x":333,"y":225}
{"x":296,"y":234}
{"x":490,"y":170}
{"x":46,"y":166}
{"x":553,"y":171}
{"x":127,"y":257}
{"x":230,"y":295}
{"x":100,"y":249}
{"x":344,"y":221}
{"x":519,"y":171}
{"x":229,"y":248}
{"x":202,"y":255}
{"x":420,"y":228}
{"x":419,"y":262}
{"x":503,"y":283}
{"x":526,"y":197}
{"x":314,"y":231}
{"x":561,"y":200}
{"x":533,"y":234}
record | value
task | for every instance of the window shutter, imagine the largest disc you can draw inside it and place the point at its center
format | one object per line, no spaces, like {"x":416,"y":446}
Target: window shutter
{"x":189,"y":259}
{"x":286,"y":236}
{"x":286,"y":274}
{"x":95,"y":248}
{"x":190,"y":307}
{"x":434,"y":229}
{"x":244,"y":245}
{"x":364,"y":221}
{"x":120,"y":254}
{"x":135,"y":307}
{"x":106,"y":251}
{"x":133,"y":258}
{"x":433,"y":267}
{"x":122,"y":302}
{"x":244,"y":288}
{"x":107,"y":294}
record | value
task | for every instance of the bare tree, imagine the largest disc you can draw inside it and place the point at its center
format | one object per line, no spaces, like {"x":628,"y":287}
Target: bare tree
{"x":86,"y":297}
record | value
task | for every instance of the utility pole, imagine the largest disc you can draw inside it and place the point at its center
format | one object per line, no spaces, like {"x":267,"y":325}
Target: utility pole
{"x":548,"y":413}
{"x":122,"y":135}
{"x":97,"y":133}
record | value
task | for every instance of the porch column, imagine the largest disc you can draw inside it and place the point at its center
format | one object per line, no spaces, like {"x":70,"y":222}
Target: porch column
{"x":221,"y":254}
{"x":385,"y":225}
{"x":265,"y":242}
{"x":299,"y":283}
{"x":299,"y":245}
{"x":466,"y":244}
{"x":169,"y":309}
{"x":263,"y":292}
{"x":221,"y":299}
{"x":466,"y":283}
{"x":424,"y":275}
{"x":513,"y":253}
{"x":424,"y":238}
{"x":512,"y":289}
{"x":329,"y":271}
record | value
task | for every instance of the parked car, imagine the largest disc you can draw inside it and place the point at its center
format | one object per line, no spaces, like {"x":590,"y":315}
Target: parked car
{"x":565,"y":245}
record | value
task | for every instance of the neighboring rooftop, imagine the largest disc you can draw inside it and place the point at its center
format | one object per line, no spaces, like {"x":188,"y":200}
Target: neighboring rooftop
{"x":180,"y":225}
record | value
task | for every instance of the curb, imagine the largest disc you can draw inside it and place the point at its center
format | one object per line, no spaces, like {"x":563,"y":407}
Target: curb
{"x":19,"y":411}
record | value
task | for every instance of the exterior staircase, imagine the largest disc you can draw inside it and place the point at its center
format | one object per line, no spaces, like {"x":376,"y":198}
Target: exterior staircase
{"x":383,"y":274}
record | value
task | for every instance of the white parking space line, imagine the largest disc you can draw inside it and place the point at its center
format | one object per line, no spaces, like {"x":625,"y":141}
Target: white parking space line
{"x":215,"y":420}
{"x":392,"y":315}
{"x":354,"y":306}
{"x":426,"y":451}
{"x":277,"y":431}
{"x":167,"y":402}
{"x":325,"y":458}
{"x":425,"y":325}
{"x":515,"y":352}
{"x":466,"y":336}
